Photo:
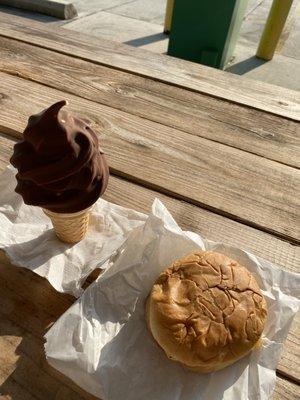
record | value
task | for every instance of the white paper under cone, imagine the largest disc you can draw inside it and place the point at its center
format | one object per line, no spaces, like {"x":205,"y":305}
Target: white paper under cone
{"x":72,"y":227}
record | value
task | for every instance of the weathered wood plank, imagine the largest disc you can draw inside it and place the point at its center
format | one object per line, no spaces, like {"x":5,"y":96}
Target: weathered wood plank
{"x":206,"y":223}
{"x":209,"y":225}
{"x":248,"y":188}
{"x":286,"y":390}
{"x":62,"y":9}
{"x":23,"y":362}
{"x":290,"y":356}
{"x":177,"y":72}
{"x":21,"y":358}
{"x":271,"y":136}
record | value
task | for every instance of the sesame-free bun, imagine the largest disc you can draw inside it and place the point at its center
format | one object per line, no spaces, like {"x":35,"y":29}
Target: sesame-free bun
{"x":206,"y":311}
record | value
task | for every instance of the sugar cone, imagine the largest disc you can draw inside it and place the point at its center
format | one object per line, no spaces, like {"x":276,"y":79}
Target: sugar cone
{"x":70,"y":228}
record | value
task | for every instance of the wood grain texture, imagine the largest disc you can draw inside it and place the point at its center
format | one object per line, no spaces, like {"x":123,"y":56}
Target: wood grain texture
{"x":210,"y":225}
{"x":248,"y":188}
{"x":205,"y":223}
{"x":290,"y":356}
{"x":159,"y":67}
{"x":24,"y":372}
{"x":286,"y":390}
{"x":254,"y":131}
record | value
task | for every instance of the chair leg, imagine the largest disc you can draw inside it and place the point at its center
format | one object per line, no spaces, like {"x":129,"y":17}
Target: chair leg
{"x":273,"y":28}
{"x":168,"y":16}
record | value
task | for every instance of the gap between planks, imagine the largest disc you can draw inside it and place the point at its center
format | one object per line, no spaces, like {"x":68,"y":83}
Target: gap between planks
{"x":272,"y":137}
{"x":175,"y":163}
{"x":160,"y":189}
{"x":162,"y":68}
{"x":190,"y":217}
{"x":17,"y":282}
{"x":213,"y":226}
{"x":24,"y":359}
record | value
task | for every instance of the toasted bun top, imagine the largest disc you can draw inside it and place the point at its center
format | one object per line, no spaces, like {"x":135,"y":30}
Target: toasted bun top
{"x":206,"y":311}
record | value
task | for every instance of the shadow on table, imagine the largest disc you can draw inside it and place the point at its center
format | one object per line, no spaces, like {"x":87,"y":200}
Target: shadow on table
{"x":245,"y":66}
{"x":28,"y":307}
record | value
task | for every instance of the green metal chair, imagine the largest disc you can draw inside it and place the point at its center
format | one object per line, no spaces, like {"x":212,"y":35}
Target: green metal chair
{"x":206,"y":31}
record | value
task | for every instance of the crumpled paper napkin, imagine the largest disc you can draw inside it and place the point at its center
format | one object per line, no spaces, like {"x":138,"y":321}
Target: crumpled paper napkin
{"x":27,"y":236}
{"x":103,"y":344}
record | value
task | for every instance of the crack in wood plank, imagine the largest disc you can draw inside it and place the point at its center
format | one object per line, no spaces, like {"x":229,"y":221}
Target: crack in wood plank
{"x":161,"y":68}
{"x":273,"y":138}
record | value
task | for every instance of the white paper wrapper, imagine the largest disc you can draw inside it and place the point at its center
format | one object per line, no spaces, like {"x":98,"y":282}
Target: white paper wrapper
{"x":28,"y":238}
{"x":103,"y":344}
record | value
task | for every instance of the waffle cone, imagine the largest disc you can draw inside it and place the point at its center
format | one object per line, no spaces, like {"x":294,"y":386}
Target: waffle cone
{"x":70,"y":228}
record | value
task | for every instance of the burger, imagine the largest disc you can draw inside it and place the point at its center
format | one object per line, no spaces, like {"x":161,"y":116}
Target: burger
{"x":206,"y":311}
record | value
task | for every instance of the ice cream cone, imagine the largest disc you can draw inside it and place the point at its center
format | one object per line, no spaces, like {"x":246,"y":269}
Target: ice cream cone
{"x":70,"y":228}
{"x":61,"y":168}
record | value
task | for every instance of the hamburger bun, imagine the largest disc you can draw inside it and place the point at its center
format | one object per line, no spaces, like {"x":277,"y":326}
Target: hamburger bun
{"x":206,"y":311}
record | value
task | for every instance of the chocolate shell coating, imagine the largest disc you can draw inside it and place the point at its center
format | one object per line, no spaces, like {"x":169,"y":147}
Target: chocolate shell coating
{"x":60,"y":165}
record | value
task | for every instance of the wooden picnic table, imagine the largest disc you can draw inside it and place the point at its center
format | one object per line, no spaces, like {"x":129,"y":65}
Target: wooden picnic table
{"x":221,"y":152}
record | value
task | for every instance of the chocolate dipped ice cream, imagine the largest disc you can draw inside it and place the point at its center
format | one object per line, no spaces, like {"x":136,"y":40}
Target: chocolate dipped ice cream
{"x":61,"y":167}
